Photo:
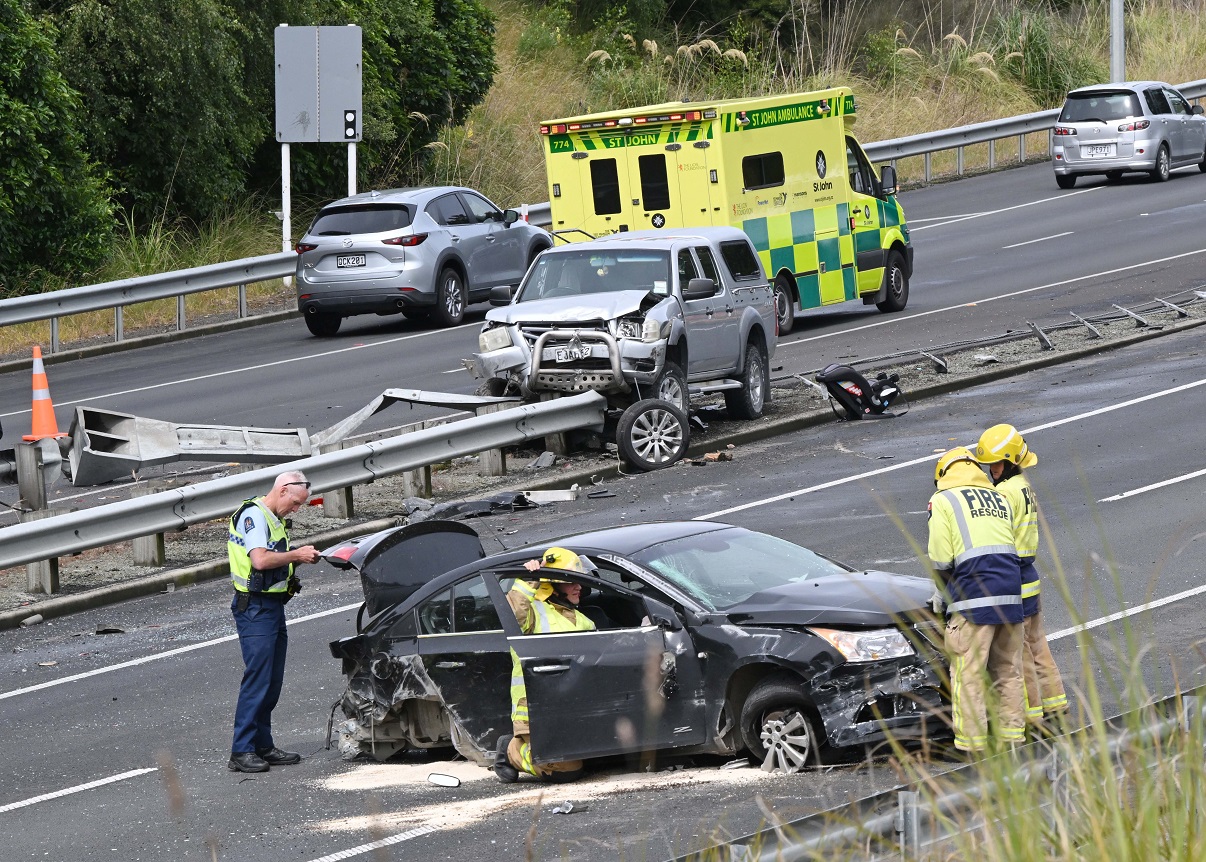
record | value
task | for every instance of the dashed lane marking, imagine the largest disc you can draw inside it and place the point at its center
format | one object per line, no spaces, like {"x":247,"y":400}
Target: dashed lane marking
{"x":79,"y":788}
{"x":376,"y":845}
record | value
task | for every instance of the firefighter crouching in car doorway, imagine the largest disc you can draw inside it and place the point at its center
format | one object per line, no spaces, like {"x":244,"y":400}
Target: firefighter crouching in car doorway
{"x":979,"y":575}
{"x":1004,"y":451}
{"x":540,"y":606}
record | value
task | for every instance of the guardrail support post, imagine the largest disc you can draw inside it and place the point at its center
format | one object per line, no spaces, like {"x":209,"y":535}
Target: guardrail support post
{"x":555,"y":443}
{"x":31,"y":481}
{"x":336,"y":502}
{"x":492,"y":462}
{"x":151,"y":550}
{"x":180,"y":313}
{"x":42,"y":576}
{"x":417,"y":483}
{"x":992,"y":155}
{"x":929,"y":164}
{"x":118,"y":323}
{"x":242,"y":301}
{"x":1021,"y":148}
{"x":908,"y":824}
{"x":959,"y":161}
{"x":54,"y":335}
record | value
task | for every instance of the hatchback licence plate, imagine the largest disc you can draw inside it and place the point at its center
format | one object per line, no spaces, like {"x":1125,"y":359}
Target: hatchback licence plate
{"x":344,"y":261}
{"x":1097,"y":151}
{"x":570,"y":354}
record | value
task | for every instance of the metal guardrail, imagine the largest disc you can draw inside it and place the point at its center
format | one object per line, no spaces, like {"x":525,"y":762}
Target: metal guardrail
{"x":115,"y":294}
{"x":178,"y":508}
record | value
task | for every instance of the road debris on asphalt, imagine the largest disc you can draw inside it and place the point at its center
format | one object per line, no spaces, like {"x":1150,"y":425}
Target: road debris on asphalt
{"x":568,"y":807}
{"x":443,"y":779}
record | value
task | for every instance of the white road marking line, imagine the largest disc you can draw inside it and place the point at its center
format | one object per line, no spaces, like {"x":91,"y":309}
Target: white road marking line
{"x":898,"y":318}
{"x":957,"y":219}
{"x":79,"y":788}
{"x":1147,"y":606}
{"x":375,"y":845}
{"x":1040,"y":239}
{"x":161,"y":655}
{"x":1147,"y":488}
{"x":260,"y":367}
{"x":945,"y":217}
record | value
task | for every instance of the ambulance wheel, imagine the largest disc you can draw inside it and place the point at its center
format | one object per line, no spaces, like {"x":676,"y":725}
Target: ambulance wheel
{"x":321,"y":324}
{"x":671,"y":386}
{"x":652,"y":434}
{"x":896,"y":297}
{"x":749,"y":401}
{"x":450,"y":298}
{"x":785,"y":305}
{"x":1065,"y":181}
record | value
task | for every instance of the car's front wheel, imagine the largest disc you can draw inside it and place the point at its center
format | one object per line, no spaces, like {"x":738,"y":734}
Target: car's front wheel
{"x":1065,"y":181}
{"x":450,"y":298}
{"x":777,"y":726}
{"x":321,"y":324}
{"x":652,"y":434}
{"x":1163,"y":169}
{"x":749,"y":401}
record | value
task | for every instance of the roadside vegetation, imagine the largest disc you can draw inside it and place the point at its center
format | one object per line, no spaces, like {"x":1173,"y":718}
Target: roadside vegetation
{"x":135,"y":188}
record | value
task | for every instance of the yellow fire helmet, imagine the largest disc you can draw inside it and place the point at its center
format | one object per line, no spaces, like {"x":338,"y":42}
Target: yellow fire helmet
{"x":1004,"y":443}
{"x":566,"y":561}
{"x":959,"y":453}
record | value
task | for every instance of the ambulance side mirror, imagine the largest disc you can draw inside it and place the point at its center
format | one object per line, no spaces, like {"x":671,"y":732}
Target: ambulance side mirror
{"x":887,"y":178}
{"x":700,"y":288}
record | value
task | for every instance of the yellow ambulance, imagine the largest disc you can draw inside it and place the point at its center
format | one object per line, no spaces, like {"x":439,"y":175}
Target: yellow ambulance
{"x":785,"y":169}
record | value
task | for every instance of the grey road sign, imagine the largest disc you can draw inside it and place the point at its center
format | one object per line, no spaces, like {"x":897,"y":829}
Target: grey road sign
{"x":318,"y":85}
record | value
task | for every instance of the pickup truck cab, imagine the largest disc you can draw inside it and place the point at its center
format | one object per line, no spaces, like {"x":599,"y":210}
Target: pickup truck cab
{"x":658,"y":314}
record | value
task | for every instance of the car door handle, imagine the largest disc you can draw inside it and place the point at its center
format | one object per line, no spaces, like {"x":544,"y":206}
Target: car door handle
{"x":550,"y":668}
{"x":449,"y":665}
{"x":454,"y":237}
{"x":728,"y":309}
{"x":710,"y":312}
{"x":491,"y":238}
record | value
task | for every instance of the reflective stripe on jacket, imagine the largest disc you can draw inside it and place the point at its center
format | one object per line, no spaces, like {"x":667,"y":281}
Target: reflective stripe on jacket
{"x":245,"y":577}
{"x":971,"y":541}
{"x":1025,"y":536}
{"x":539,"y":616}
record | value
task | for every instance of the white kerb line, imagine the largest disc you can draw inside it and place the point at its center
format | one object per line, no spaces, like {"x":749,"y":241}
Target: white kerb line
{"x":375,"y":845}
{"x":79,"y":788}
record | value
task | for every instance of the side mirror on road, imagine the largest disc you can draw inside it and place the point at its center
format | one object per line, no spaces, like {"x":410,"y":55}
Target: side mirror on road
{"x":500,"y":295}
{"x":700,"y":288}
{"x":510,"y":217}
{"x":887,"y":178}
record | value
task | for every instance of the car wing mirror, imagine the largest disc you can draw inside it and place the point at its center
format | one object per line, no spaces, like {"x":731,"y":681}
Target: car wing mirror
{"x":500,"y":295}
{"x":1198,"y":109}
{"x":700,"y":288}
{"x":509,"y":217}
{"x":887,"y":178}
{"x":662,"y":615}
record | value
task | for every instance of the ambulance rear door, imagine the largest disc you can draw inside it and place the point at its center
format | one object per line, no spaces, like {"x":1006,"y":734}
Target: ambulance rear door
{"x":652,"y":166}
{"x":606,"y":183}
{"x":698,"y":191}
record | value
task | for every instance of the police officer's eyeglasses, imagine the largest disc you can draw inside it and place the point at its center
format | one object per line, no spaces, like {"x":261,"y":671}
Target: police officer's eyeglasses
{"x":305,"y":485}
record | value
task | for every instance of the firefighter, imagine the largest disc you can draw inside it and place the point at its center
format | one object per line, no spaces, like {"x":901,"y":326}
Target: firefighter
{"x":978,"y":572}
{"x":541,"y":606}
{"x":1004,"y":451}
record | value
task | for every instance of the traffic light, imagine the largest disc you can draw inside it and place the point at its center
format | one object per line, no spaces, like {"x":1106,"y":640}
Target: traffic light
{"x":349,"y":125}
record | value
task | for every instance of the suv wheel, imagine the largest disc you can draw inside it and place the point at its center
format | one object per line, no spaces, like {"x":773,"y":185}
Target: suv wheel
{"x":785,"y":306}
{"x":1065,"y":181}
{"x":896,"y":297}
{"x":749,"y":401}
{"x":1162,"y":171}
{"x":671,"y":385}
{"x":321,"y":324}
{"x":450,"y":298}
{"x":652,"y":434}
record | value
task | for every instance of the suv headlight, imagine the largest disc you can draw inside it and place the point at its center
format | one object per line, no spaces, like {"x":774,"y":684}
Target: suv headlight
{"x":867,"y":646}
{"x":494,"y":339}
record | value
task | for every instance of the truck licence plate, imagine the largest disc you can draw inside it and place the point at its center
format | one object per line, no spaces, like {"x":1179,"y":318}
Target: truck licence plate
{"x":570,"y":354}
{"x":345,"y":261}
{"x":1097,"y":151}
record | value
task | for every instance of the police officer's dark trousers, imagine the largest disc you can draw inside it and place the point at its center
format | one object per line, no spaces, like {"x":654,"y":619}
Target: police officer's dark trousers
{"x":264,"y":641}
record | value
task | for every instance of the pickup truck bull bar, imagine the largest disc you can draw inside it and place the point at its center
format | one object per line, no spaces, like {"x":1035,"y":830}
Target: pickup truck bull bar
{"x":573,"y":380}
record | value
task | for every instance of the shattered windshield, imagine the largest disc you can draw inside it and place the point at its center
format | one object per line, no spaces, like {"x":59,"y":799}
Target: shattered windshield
{"x":580,"y":272}
{"x":723,"y":568}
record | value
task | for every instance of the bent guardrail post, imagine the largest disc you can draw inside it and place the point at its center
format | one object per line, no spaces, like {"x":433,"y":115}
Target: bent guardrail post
{"x":206,"y":501}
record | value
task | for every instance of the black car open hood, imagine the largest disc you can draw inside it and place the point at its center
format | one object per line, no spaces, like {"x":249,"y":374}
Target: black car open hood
{"x":845,"y":599}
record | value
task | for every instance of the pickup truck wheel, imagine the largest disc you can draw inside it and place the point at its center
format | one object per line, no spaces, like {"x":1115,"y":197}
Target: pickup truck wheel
{"x":749,"y":401}
{"x":652,"y":434}
{"x":323,"y":325}
{"x":671,"y":385}
{"x":897,"y":294}
{"x":785,"y":306}
{"x":450,"y":298}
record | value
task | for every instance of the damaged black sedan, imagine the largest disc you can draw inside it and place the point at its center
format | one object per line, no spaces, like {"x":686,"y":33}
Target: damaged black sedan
{"x":710,"y":639}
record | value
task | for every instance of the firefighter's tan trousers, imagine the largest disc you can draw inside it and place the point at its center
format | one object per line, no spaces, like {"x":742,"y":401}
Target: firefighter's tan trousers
{"x":1044,"y":685}
{"x":979,"y":654}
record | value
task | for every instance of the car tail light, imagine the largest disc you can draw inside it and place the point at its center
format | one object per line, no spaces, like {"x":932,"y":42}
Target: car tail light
{"x":1061,"y":131}
{"x":406,"y":241}
{"x":344,"y":553}
{"x":1137,"y":126}
{"x":303,"y":247}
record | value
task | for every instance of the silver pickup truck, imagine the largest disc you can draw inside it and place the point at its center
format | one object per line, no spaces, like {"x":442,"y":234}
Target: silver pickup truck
{"x":648,"y":318}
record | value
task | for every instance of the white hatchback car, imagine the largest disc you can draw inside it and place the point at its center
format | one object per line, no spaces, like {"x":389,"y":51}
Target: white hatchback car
{"x":1145,"y":126}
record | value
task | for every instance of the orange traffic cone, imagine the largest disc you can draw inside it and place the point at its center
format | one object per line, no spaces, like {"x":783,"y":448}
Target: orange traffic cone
{"x":43,"y":410}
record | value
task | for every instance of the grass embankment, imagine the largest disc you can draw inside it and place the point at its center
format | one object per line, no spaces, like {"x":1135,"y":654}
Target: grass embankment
{"x":1008,"y":58}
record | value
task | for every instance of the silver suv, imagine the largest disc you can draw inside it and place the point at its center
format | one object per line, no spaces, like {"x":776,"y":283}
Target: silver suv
{"x":1110,"y":129}
{"x":419,"y":252}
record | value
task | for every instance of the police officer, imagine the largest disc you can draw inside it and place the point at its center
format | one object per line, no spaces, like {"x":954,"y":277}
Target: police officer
{"x":1004,"y":451}
{"x":261,"y":568}
{"x":546,"y":605}
{"x":976,"y":564}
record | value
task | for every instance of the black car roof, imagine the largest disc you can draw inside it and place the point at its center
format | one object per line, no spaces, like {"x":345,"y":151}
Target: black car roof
{"x":631,"y":538}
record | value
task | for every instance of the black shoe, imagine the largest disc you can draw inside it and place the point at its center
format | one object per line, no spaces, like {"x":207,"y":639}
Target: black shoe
{"x":276,"y":757}
{"x":248,"y":761}
{"x":503,"y":770}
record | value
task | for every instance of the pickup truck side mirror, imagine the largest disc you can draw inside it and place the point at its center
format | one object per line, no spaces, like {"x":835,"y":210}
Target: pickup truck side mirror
{"x":500,"y":295}
{"x":510,"y":217}
{"x":887,"y":178}
{"x":700,"y":288}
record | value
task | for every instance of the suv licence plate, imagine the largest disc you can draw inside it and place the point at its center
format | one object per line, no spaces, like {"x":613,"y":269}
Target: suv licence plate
{"x":569,"y":354}
{"x":344,"y":261}
{"x":1096,"y":151}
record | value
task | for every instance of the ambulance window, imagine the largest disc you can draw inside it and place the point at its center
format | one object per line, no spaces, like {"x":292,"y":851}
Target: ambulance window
{"x":862,"y":178}
{"x":605,"y":181}
{"x":764,"y":171}
{"x":686,"y":267}
{"x":708,"y":264}
{"x":740,"y":260}
{"x":655,"y":188}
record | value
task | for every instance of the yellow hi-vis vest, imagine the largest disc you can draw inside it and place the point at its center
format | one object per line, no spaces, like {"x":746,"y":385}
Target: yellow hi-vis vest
{"x":245,"y":577}
{"x":1025,"y":536}
{"x":547,"y":620}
